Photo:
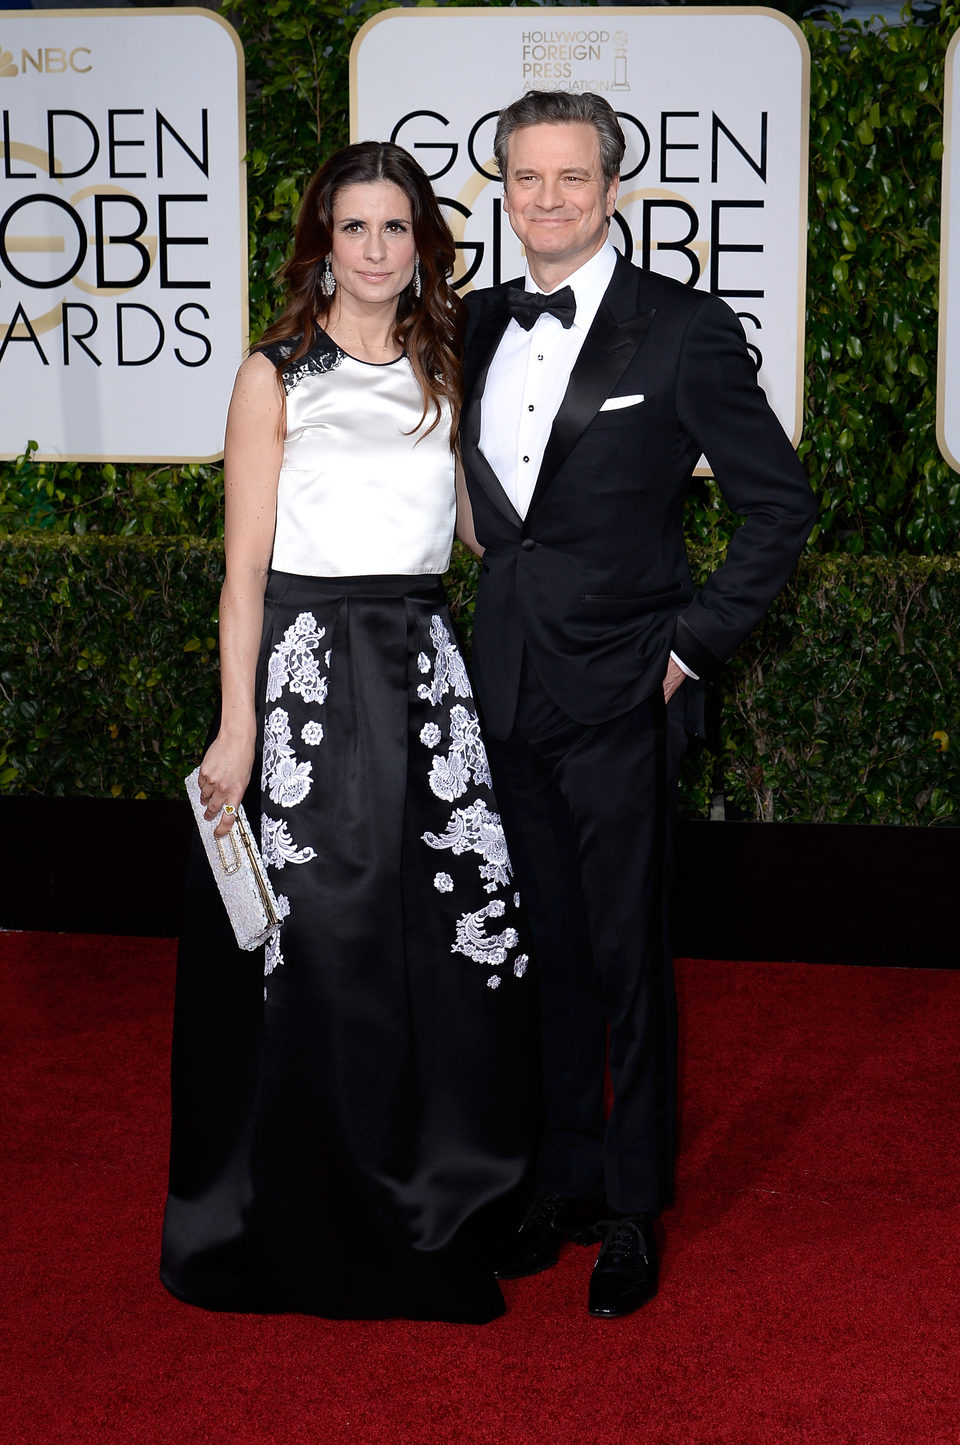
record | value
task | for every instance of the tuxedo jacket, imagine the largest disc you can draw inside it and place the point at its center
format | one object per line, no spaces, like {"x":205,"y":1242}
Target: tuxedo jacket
{"x":594,"y":581}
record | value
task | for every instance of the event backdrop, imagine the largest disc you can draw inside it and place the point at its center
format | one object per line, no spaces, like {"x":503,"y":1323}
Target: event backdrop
{"x":714,"y":105}
{"x":948,"y":374}
{"x":123,"y":251}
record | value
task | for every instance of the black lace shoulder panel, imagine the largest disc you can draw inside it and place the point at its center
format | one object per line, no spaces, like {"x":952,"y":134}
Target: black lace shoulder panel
{"x":324,"y":355}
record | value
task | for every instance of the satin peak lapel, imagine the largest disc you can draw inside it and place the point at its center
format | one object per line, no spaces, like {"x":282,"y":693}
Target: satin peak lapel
{"x":483,"y":345}
{"x":606,"y":353}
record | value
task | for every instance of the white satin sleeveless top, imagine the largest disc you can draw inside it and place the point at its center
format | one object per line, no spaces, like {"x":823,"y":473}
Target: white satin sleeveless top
{"x":357,"y":496}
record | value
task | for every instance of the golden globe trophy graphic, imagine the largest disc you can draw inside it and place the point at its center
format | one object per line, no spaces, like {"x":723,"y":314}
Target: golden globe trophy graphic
{"x":620,"y":40}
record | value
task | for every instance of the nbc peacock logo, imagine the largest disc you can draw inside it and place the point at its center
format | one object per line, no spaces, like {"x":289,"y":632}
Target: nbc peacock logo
{"x":7,"y":66}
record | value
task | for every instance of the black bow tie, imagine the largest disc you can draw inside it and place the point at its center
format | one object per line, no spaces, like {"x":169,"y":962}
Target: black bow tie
{"x":526,"y":306}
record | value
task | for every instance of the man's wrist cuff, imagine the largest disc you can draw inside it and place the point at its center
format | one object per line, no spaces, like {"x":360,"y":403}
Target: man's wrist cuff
{"x":697,"y":655}
{"x":687,"y":671}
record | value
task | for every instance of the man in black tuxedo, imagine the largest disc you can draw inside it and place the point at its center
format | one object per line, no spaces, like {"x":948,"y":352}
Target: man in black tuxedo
{"x":592,"y":388}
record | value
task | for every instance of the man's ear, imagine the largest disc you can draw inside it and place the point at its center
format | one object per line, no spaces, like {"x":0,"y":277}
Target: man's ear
{"x":612,"y":193}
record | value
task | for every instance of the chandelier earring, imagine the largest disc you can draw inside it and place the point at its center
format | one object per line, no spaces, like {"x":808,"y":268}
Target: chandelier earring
{"x":416,"y":278}
{"x":328,"y":282}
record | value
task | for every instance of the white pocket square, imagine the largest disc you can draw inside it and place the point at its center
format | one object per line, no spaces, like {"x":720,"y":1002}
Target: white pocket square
{"x":614,"y":403}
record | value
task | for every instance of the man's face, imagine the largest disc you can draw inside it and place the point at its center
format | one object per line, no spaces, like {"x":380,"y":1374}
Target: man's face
{"x":555,"y":197}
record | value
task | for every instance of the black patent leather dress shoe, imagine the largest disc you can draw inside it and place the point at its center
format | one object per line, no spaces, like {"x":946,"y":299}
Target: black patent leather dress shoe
{"x":548,"y":1224}
{"x":625,"y":1275}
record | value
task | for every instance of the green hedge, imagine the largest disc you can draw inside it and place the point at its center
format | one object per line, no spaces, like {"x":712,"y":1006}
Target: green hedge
{"x":876,"y":145}
{"x":840,"y":709}
{"x":109,"y":675}
{"x":845,"y":706}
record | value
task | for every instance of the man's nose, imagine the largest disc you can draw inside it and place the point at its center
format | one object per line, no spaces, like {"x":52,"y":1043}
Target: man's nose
{"x":551,"y":195}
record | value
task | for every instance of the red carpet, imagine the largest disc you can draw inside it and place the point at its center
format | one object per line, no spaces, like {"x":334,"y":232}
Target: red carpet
{"x":811,"y":1287}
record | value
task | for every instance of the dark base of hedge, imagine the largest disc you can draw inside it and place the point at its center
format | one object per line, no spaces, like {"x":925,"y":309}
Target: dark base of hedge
{"x":93,"y":865}
{"x":773,"y":891}
{"x":818,"y":893}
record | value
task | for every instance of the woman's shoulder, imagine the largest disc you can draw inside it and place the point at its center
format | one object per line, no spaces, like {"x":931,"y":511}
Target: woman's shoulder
{"x":321,"y":355}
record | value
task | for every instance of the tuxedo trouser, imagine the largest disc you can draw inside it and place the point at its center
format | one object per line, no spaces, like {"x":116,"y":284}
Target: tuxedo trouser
{"x":587,"y":810}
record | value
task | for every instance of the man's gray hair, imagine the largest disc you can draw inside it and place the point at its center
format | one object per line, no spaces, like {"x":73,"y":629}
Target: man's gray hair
{"x":559,"y":107}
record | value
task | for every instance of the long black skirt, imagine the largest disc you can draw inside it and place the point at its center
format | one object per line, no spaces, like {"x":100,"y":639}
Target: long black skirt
{"x":353,"y":1107}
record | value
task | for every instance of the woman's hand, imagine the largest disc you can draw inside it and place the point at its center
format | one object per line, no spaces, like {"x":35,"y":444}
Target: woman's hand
{"x":224,"y":775}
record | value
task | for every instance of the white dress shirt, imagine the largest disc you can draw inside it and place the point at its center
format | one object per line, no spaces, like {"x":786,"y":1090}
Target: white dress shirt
{"x":528,"y":377}
{"x":526,"y":382}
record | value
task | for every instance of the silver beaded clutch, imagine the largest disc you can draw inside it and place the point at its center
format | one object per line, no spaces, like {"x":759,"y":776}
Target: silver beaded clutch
{"x":238,"y":872}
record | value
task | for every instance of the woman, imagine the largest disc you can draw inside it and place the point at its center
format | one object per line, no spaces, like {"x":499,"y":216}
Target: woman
{"x":350,"y":1109}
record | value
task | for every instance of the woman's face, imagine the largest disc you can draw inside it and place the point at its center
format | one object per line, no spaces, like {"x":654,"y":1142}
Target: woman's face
{"x":373,"y":248}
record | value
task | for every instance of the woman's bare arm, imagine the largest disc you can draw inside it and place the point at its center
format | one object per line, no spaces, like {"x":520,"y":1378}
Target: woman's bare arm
{"x":465,"y":515}
{"x":253,"y":451}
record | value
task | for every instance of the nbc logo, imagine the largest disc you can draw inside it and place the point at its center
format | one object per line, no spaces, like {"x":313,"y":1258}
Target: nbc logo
{"x":47,"y":60}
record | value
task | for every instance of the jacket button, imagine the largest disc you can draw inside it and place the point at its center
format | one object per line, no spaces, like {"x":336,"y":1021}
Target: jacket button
{"x":528,"y":544}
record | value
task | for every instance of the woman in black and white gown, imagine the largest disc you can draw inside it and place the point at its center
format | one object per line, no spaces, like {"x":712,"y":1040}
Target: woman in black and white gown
{"x":352,"y":1107}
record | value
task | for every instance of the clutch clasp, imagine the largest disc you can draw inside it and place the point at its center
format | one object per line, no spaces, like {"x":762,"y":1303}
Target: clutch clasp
{"x":236,"y":864}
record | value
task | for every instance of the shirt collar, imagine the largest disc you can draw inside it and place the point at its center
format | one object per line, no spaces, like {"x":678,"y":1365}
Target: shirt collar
{"x":588,"y":283}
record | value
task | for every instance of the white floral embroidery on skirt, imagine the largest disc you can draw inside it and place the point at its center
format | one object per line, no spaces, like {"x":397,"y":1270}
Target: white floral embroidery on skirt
{"x":474,"y":827}
{"x":293,"y":665}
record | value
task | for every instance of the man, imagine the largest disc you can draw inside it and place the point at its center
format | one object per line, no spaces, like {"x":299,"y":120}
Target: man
{"x":592,"y":388}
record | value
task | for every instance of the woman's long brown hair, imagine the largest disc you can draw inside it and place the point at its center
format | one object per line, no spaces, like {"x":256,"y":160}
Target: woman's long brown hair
{"x":429,"y":328}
